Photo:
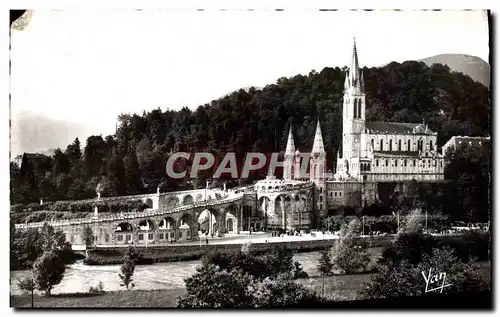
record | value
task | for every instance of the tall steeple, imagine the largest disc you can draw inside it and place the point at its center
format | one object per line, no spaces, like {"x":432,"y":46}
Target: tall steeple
{"x":318,"y":145}
{"x":355,"y":79}
{"x":290,"y":145}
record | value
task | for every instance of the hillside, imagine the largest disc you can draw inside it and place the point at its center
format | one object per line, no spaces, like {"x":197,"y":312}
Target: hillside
{"x":133,"y":160}
{"x":472,"y":66}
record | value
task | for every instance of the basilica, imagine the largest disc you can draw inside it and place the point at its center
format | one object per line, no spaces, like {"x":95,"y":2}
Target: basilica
{"x":371,"y":153}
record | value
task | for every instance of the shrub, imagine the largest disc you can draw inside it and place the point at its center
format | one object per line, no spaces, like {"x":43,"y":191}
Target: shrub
{"x":211,"y":287}
{"x":99,"y":289}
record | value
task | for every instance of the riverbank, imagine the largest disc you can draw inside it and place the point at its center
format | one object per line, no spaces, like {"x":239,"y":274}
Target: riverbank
{"x":176,"y":253}
{"x":464,"y":245}
{"x":336,"y":288}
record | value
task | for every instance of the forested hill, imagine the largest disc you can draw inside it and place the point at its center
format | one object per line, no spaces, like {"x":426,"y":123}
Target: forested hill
{"x":134,"y":159}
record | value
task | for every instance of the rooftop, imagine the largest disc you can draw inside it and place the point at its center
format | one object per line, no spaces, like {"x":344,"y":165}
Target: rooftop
{"x":379,"y":127}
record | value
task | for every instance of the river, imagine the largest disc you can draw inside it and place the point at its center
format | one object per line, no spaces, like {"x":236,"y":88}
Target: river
{"x":79,"y":277}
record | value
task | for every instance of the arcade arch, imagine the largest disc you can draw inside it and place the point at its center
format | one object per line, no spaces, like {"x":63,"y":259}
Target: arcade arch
{"x":188,"y":200}
{"x":145,"y":231}
{"x":124,"y":233}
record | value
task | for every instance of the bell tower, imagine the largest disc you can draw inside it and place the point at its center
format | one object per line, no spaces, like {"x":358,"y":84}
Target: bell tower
{"x":353,"y":114}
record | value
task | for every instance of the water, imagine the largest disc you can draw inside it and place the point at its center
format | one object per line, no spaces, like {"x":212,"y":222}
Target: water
{"x":79,"y":277}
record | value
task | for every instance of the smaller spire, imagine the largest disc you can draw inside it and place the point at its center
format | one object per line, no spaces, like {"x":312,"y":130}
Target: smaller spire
{"x":290,"y":145}
{"x":318,"y":145}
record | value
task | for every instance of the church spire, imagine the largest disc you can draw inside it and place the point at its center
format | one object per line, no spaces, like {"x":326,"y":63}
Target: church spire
{"x":290,"y":145}
{"x":355,"y":79}
{"x":318,"y":146}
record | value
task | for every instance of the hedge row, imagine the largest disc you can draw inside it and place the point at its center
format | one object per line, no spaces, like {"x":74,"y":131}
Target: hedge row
{"x":386,"y":223}
{"x":75,"y":206}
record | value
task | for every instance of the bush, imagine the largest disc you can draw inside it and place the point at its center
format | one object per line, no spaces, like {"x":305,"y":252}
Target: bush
{"x":99,"y":289}
{"x":409,"y":247}
{"x":473,"y":244}
{"x":282,"y":292}
{"x":25,"y":285}
{"x":211,"y":287}
{"x":17,"y":208}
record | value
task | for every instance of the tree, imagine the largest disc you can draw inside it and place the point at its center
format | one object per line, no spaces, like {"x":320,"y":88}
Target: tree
{"x":348,"y":255}
{"x":132,"y":175}
{"x":128,"y":268}
{"x":325,"y":263}
{"x":48,"y":270}
{"x":26,"y":285}
{"x":88,"y":236}
{"x":50,"y":239}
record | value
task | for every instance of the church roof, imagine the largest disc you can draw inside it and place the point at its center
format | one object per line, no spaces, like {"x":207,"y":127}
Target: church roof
{"x":380,"y":127}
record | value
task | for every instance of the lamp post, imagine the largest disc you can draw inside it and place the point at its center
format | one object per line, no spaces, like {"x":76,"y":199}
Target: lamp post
{"x":398,"y":220}
{"x":363,"y":220}
{"x":32,"y":289}
{"x":426,"y":221}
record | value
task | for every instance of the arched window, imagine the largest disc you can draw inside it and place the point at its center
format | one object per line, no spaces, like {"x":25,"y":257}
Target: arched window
{"x":431,"y":147}
{"x":390,"y":145}
{"x":355,"y":105}
{"x":376,"y":162}
{"x":414,"y":162}
{"x":404,"y":163}
{"x":396,"y":162}
{"x":373,"y":144}
{"x":409,"y":145}
{"x":359,"y":108}
{"x":381,"y":145}
{"x":399,"y":145}
{"x":386,"y":162}
{"x":420,"y":144}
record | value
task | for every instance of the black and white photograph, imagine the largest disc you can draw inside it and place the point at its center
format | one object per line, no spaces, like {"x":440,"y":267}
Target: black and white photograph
{"x":250,"y":159}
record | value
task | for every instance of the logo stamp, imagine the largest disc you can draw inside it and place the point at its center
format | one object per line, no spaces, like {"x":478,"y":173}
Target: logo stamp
{"x":433,"y":281}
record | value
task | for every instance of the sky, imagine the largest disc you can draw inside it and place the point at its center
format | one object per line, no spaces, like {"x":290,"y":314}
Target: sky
{"x":90,"y":66}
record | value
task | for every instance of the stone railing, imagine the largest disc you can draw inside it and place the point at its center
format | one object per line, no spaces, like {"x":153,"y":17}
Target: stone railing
{"x":286,"y":188}
{"x":132,"y":215}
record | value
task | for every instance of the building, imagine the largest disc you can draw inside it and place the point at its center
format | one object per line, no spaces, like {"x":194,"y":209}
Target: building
{"x":370,"y":153}
{"x":457,"y":141}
